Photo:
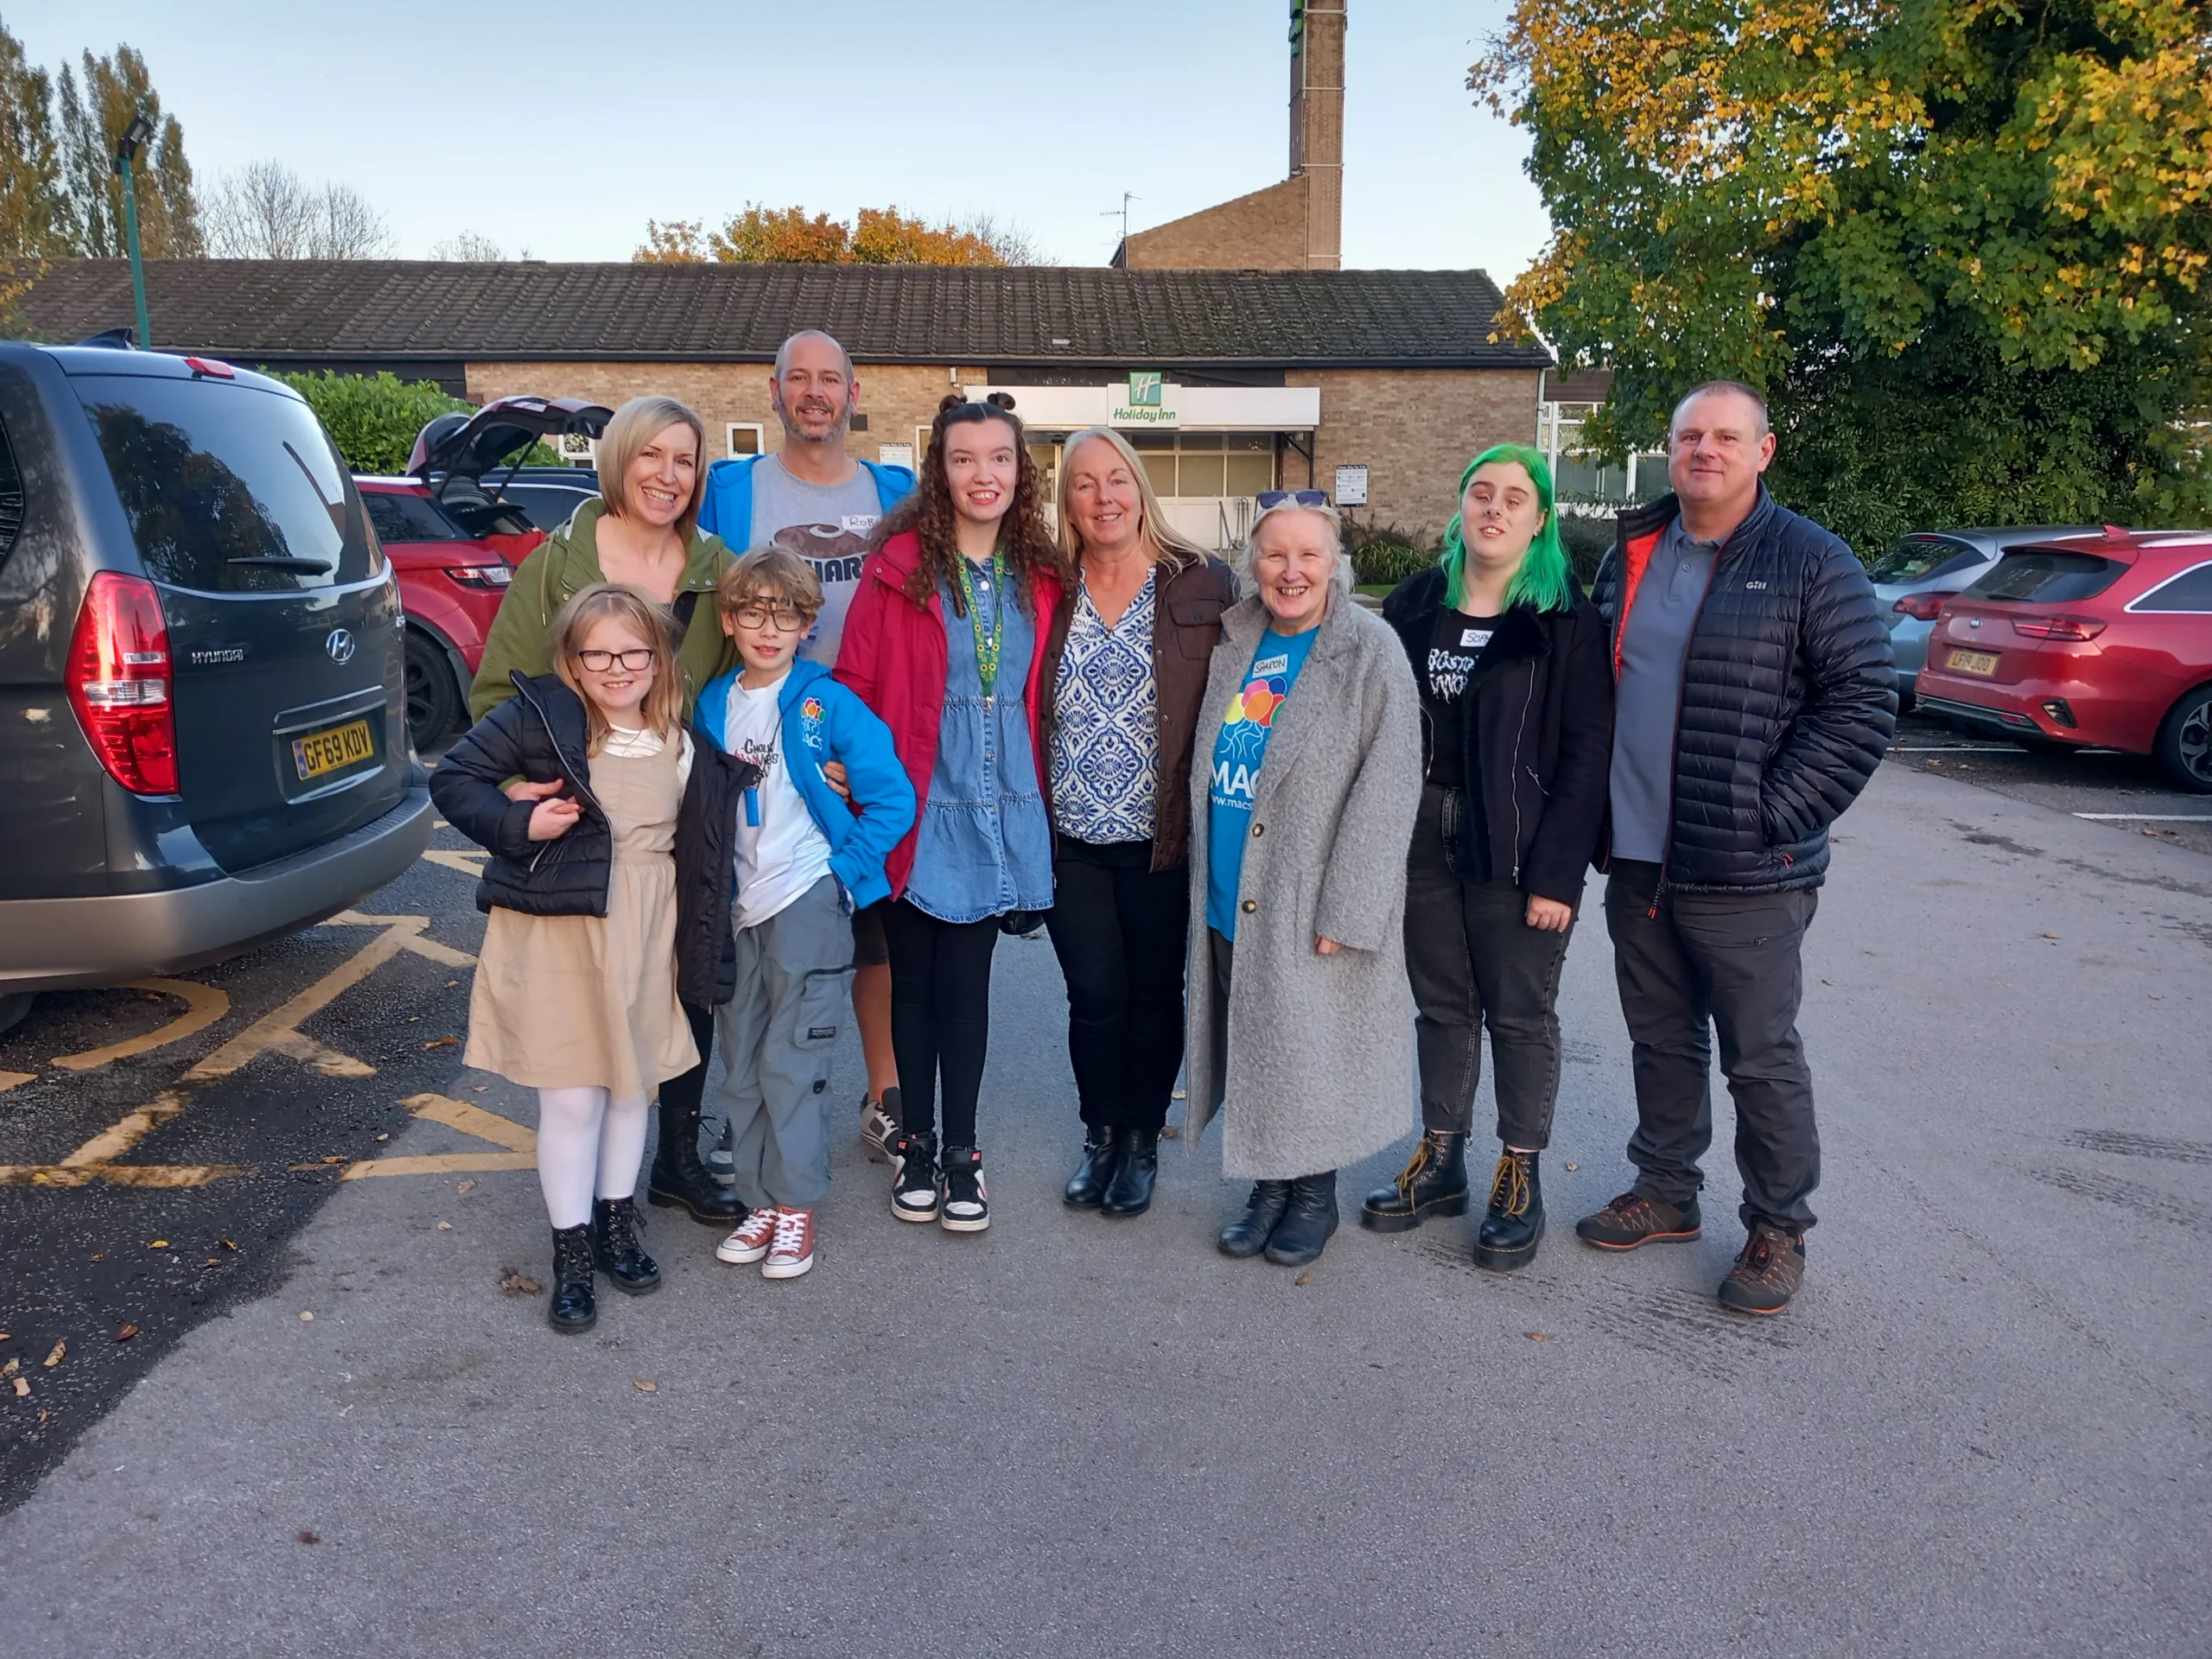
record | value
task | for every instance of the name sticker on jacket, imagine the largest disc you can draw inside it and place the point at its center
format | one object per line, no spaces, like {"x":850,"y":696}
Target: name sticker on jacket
{"x":1475,"y":638}
{"x":1266,"y":665}
{"x":859,"y":523}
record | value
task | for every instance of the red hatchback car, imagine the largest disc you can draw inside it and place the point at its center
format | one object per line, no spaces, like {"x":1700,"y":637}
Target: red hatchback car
{"x":2105,"y":642}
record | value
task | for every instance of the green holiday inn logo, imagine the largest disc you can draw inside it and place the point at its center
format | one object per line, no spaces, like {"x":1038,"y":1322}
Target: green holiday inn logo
{"x":1147,"y":404}
{"x":1144,"y":388}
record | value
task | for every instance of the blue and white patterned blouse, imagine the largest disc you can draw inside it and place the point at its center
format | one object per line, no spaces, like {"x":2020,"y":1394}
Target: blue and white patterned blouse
{"x":1105,"y":729}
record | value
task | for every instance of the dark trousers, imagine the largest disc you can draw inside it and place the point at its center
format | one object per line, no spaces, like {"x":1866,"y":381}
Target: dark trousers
{"x":682,"y":1095}
{"x":940,"y":1016}
{"x":1222,"y":953}
{"x":1475,"y":962}
{"x":1730,"y":962}
{"x":1119,"y":932}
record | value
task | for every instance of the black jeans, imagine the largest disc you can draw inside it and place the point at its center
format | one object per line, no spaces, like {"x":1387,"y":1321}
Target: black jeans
{"x":1119,"y":932}
{"x":1730,"y":962}
{"x":1474,"y":962}
{"x":940,"y":1016}
{"x":683,"y":1094}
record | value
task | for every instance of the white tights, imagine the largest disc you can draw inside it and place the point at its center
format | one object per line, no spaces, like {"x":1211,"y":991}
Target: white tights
{"x":587,"y":1143}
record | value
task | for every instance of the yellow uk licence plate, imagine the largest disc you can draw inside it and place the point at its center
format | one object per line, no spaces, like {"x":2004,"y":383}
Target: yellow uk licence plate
{"x":332,"y":748}
{"x":1974,"y":661}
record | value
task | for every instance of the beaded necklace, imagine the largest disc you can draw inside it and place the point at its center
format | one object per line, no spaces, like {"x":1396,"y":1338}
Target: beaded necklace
{"x":987,"y":651}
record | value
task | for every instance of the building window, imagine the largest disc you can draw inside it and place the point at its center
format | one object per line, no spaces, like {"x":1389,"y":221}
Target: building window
{"x":745,"y":438}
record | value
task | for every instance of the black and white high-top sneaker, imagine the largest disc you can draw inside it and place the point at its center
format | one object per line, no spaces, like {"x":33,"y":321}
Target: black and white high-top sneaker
{"x":914,"y":1194}
{"x":967,"y":1207}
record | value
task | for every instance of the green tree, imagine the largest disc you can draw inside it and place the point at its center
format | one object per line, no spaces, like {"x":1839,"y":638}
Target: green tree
{"x":31,"y":205}
{"x":94,"y":115}
{"x":372,"y":418}
{"x":1963,"y":245}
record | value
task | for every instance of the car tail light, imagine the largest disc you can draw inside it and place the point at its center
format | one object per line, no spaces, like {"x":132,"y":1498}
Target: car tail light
{"x":119,"y":682}
{"x":213,"y":365}
{"x":2059,"y":628}
{"x":482,"y":575}
{"x":1921,"y":608}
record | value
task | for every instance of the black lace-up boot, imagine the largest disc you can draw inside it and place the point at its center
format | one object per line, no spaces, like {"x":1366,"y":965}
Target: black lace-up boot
{"x":615,"y":1244}
{"x":1129,"y":1194}
{"x":574,"y":1308}
{"x":680,"y":1178}
{"x":1308,"y":1222}
{"x":1102,"y":1153}
{"x":1515,"y":1221}
{"x":1434,"y":1184}
{"x":1248,"y":1233}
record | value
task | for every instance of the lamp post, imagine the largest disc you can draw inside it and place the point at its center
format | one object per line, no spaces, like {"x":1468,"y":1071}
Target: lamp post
{"x":126,"y":147}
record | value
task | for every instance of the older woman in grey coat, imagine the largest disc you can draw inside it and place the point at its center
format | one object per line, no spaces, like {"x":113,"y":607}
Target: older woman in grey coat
{"x":1302,"y":807}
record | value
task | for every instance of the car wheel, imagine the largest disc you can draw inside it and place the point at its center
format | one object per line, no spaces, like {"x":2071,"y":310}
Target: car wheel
{"x":2184,"y":746}
{"x":433,"y":702}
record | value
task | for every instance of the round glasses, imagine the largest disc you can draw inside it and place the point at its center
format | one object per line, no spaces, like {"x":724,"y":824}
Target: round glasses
{"x":636,"y":660}
{"x":759,"y":613}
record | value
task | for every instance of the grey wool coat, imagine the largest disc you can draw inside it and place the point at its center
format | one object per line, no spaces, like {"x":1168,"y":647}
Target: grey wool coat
{"x":1320,"y":1062}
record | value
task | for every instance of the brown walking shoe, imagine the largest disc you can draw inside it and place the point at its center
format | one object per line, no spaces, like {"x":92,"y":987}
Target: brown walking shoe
{"x":1768,"y":1271}
{"x":1632,"y":1220}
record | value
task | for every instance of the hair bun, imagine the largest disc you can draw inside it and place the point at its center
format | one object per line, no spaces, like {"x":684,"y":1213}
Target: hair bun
{"x":1003,"y":399}
{"x":950,"y":401}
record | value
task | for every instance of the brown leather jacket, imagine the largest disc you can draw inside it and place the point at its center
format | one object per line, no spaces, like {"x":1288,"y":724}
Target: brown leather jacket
{"x":1185,"y":624}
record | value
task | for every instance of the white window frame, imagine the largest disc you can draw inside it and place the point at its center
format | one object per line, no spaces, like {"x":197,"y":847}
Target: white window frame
{"x":759,"y":438}
{"x":2137,"y":603}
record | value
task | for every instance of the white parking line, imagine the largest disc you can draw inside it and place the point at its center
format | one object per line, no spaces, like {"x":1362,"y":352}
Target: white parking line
{"x":2149,"y":817}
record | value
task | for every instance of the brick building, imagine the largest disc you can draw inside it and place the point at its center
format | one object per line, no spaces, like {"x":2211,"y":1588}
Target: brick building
{"x":1228,"y":381}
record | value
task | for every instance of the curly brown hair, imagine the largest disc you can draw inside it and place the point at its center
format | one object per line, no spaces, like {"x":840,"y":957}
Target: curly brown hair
{"x":1029,"y":545}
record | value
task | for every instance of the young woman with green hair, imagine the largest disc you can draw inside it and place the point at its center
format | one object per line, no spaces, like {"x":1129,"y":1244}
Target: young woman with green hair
{"x":1516,"y":699}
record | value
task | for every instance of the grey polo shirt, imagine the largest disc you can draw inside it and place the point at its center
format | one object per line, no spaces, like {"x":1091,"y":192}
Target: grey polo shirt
{"x":1655,"y":645}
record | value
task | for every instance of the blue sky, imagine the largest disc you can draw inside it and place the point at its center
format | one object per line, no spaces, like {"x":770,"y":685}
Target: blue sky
{"x":561,"y":130}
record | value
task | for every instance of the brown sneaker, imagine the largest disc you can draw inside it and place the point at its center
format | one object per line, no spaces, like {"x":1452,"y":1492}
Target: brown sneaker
{"x":1768,"y":1271}
{"x":792,"y":1254}
{"x":1632,"y":1220}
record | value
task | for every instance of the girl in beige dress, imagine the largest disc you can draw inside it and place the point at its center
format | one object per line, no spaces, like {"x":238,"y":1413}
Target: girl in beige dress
{"x":575,"y":984}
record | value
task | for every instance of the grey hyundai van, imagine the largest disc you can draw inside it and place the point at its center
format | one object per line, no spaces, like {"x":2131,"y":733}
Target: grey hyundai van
{"x":203,"y":736}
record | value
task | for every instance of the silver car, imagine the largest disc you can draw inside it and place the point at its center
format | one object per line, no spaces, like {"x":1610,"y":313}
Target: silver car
{"x":1914,"y":578}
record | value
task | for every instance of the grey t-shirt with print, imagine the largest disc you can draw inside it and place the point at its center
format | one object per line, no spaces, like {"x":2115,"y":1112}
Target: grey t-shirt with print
{"x":1655,"y":647}
{"x":826,"y":525}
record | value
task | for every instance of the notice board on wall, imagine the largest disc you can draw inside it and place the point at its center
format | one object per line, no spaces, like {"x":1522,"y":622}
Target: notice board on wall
{"x":1352,"y":487}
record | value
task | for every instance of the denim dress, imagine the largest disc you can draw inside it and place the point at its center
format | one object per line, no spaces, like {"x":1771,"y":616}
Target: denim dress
{"x":985,"y":845}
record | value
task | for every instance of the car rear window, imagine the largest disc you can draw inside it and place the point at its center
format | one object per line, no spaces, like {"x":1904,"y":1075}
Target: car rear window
{"x":2189,"y":591}
{"x":403,"y":517}
{"x":1919,"y":556}
{"x":11,"y":498}
{"x":228,"y":488}
{"x":2045,"y":577}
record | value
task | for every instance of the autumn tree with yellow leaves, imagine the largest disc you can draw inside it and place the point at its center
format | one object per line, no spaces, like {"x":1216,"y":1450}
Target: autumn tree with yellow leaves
{"x":770,"y":236}
{"x":1965,"y":246}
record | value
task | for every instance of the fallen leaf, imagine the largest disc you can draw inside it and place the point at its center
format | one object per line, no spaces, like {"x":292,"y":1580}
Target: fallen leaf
{"x":644,"y":1387}
{"x":227,"y":1243}
{"x":159,"y":1244}
{"x":464,"y":1187}
{"x":451,"y":984}
{"x":305,"y":1317}
{"x":481,"y":1087}
{"x":213,"y":1261}
{"x":1538,"y":1336}
{"x":383,"y":1137}
{"x":99,"y":1255}
{"x":513,"y":1282}
{"x":1303,"y":1279}
{"x":441,"y":1042}
{"x":310,"y":1538}
{"x":445,"y":1226}
{"x":126,"y":1333}
{"x":1171,"y":1132}
{"x":2051,"y":936}
{"x":334,"y":1160}
{"x":1574,"y":1165}
{"x":54,"y":1358}
{"x":23,"y":1387}
{"x":11,"y":1368}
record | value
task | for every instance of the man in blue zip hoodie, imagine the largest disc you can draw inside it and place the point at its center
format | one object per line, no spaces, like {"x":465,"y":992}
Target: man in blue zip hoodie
{"x":804,"y":860}
{"x":822,"y":504}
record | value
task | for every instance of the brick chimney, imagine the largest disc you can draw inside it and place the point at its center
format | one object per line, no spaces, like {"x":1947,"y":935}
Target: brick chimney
{"x":1317,"y":124}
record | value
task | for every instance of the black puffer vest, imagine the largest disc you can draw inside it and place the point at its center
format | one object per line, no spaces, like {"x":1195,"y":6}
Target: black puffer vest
{"x":1788,"y":700}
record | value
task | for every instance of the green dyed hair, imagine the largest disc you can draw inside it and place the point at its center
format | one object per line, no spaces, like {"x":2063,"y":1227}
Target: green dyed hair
{"x":1542,"y":582}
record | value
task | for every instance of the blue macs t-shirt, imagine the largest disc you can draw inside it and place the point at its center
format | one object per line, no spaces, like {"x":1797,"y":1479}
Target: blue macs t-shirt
{"x":1245,"y":728}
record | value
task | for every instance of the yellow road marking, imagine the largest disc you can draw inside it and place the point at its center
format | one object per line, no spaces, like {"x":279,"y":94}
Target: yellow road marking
{"x":9,"y":1079}
{"x":117,"y":1174}
{"x":203,"y":1006}
{"x":444,"y":1163}
{"x":521,"y":1142}
{"x":467,"y":863}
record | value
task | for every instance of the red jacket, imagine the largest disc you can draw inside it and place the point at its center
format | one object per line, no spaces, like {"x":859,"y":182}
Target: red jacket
{"x":894,"y":655}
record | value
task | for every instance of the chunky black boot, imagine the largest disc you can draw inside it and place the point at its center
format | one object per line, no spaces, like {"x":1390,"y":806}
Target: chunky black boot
{"x":1129,"y":1194}
{"x":573,"y":1308}
{"x":1434,"y":1184}
{"x":680,"y":1179}
{"x":1307,"y":1222}
{"x":1102,"y":1153}
{"x":614,"y":1245}
{"x":1248,"y":1233}
{"x":1507,"y":1238}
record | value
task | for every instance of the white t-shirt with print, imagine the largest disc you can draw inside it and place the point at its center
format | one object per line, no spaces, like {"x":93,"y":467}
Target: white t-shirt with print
{"x":781,"y":853}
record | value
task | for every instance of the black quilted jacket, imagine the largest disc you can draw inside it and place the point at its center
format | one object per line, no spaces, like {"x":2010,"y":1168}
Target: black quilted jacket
{"x":1788,"y":699}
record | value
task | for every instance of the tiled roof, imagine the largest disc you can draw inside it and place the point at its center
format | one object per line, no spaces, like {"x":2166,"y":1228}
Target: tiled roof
{"x":371,"y":308}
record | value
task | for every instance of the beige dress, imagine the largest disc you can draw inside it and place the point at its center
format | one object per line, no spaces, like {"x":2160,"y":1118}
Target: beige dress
{"x":589,"y":1002}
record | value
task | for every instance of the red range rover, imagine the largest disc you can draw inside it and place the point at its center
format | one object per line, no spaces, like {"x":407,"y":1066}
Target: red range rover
{"x":2104,"y":642}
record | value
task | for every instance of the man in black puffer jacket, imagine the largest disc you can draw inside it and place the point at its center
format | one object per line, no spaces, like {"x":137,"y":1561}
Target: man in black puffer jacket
{"x":1756,"y":699}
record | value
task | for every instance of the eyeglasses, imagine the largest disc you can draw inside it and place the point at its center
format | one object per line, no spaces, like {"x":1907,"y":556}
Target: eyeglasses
{"x":758,"y":613}
{"x":1270,"y":499}
{"x":636,"y":660}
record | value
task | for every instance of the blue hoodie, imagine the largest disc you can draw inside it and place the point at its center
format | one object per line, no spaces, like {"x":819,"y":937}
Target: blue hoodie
{"x":824,"y":721}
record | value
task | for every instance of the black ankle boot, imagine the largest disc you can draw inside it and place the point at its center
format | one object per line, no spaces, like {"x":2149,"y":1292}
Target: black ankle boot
{"x":1507,"y":1238}
{"x":574,"y":1308}
{"x":1248,"y":1233}
{"x":1101,"y":1152}
{"x":680,"y":1179}
{"x":1129,"y":1194}
{"x":1307,"y":1221}
{"x":614,"y":1245}
{"x":1434,"y":1184}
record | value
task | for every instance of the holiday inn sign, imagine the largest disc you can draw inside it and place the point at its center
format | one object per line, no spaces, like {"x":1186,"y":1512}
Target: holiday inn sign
{"x":1148,"y":398}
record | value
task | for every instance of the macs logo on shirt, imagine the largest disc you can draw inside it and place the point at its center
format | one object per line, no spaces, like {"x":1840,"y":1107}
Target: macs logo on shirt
{"x":1244,"y":729}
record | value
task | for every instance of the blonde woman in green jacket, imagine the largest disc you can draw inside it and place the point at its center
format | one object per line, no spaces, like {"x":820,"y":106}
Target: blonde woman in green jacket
{"x":643,"y":532}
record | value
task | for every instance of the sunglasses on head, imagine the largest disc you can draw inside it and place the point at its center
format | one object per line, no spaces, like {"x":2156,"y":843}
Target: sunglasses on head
{"x":1269,"y":500}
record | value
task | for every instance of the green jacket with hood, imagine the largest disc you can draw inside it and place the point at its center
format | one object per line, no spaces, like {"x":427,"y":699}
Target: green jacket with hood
{"x":567,"y":562}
